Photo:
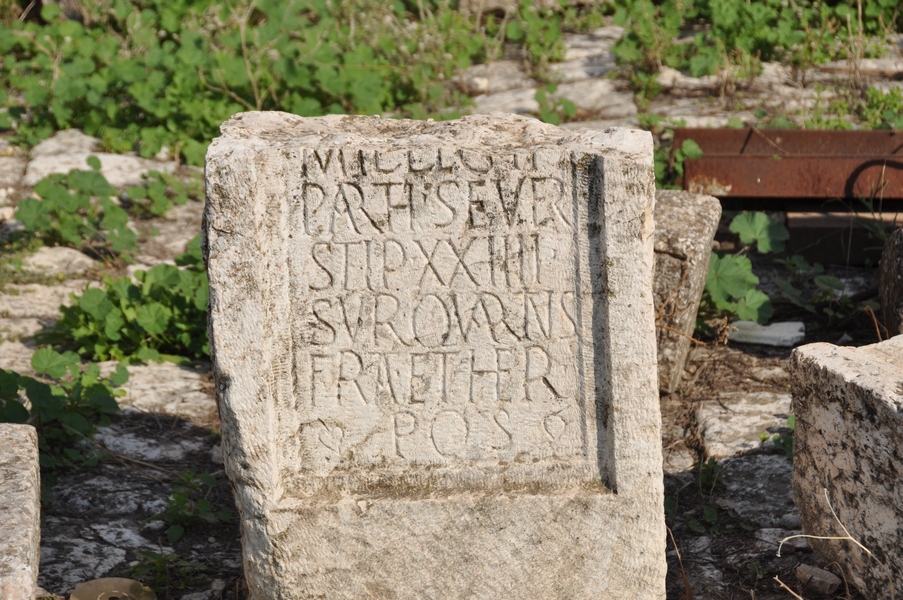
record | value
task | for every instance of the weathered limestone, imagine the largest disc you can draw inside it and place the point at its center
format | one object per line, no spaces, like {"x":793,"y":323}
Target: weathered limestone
{"x":434,"y":355}
{"x":20,"y":509}
{"x":685,"y":225}
{"x":848,"y":404}
{"x":890,"y":290}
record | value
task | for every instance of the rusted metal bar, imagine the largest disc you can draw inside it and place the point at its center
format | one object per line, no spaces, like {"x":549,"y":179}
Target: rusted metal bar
{"x":773,"y":168}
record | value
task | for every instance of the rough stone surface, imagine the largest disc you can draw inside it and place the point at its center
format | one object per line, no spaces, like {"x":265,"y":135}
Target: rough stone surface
{"x":890,"y":289}
{"x":59,"y":260}
{"x":758,"y":488}
{"x":732,"y":423}
{"x":20,"y":512}
{"x":848,"y":448}
{"x":685,"y":226}
{"x":12,"y":168}
{"x":434,"y":355}
{"x":169,"y":389}
{"x":70,"y":149}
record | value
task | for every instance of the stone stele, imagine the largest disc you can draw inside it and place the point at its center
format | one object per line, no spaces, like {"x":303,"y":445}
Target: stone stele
{"x":685,"y":225}
{"x":20,"y":512}
{"x":435,"y":357}
{"x":847,"y":457}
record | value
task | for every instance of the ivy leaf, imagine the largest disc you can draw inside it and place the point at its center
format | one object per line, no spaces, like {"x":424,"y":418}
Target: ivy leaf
{"x":757,"y":228}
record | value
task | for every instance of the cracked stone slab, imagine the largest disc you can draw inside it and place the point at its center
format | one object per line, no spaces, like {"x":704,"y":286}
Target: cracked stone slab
{"x":169,"y":389}
{"x":758,"y":488}
{"x":733,"y":423}
{"x":36,"y":301}
{"x":848,"y":448}
{"x":20,"y":512}
{"x":70,"y":149}
{"x":462,"y":409}
{"x":60,"y":260}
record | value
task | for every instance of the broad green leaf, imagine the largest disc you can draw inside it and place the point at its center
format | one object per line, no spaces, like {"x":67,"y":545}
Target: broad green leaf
{"x":729,"y":276}
{"x":120,"y":376}
{"x":153,"y":318}
{"x":755,"y":306}
{"x":9,"y":384}
{"x":12,"y":411}
{"x":95,"y":303}
{"x":757,"y":228}
{"x":46,"y":361}
{"x":76,"y":422}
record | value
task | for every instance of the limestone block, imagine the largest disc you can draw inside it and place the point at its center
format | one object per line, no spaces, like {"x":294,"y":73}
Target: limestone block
{"x":848,"y":404}
{"x":20,"y":512}
{"x":890,"y":290}
{"x":685,"y":225}
{"x":434,"y":357}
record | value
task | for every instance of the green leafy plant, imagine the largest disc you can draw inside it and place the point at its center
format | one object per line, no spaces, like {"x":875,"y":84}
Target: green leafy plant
{"x":65,"y":403}
{"x":189,"y":505}
{"x":783,"y":441}
{"x":160,"y":192}
{"x":730,"y":289}
{"x":553,"y":109}
{"x":147,"y":75}
{"x":159,"y":316}
{"x":538,"y":31}
{"x":78,"y":210}
{"x":758,"y":230}
{"x":164,"y":571}
{"x":810,"y":288}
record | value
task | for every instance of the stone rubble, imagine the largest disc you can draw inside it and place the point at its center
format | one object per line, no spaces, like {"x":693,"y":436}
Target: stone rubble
{"x":890,"y":288}
{"x":685,"y":227}
{"x":848,"y":443}
{"x":20,"y":520}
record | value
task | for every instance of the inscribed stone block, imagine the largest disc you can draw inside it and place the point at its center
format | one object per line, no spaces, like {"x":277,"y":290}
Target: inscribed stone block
{"x":685,"y":225}
{"x":20,"y":510}
{"x":434,"y":353}
{"x":847,"y":452}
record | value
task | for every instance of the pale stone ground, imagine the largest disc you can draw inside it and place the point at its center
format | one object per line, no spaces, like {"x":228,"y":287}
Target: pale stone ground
{"x":98,"y":518}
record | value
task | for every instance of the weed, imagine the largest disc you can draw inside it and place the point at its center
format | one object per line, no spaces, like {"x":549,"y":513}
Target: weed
{"x":78,"y":210}
{"x":552,"y":109}
{"x":783,"y":441}
{"x":161,"y":316}
{"x":189,"y":505}
{"x":160,"y":192}
{"x":164,"y":572}
{"x":65,"y":403}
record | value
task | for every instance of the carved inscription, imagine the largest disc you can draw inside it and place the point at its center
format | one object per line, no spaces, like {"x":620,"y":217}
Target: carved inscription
{"x":436,"y":307}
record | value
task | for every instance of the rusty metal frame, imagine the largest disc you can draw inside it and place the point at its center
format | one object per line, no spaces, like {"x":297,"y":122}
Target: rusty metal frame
{"x":796,"y":169}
